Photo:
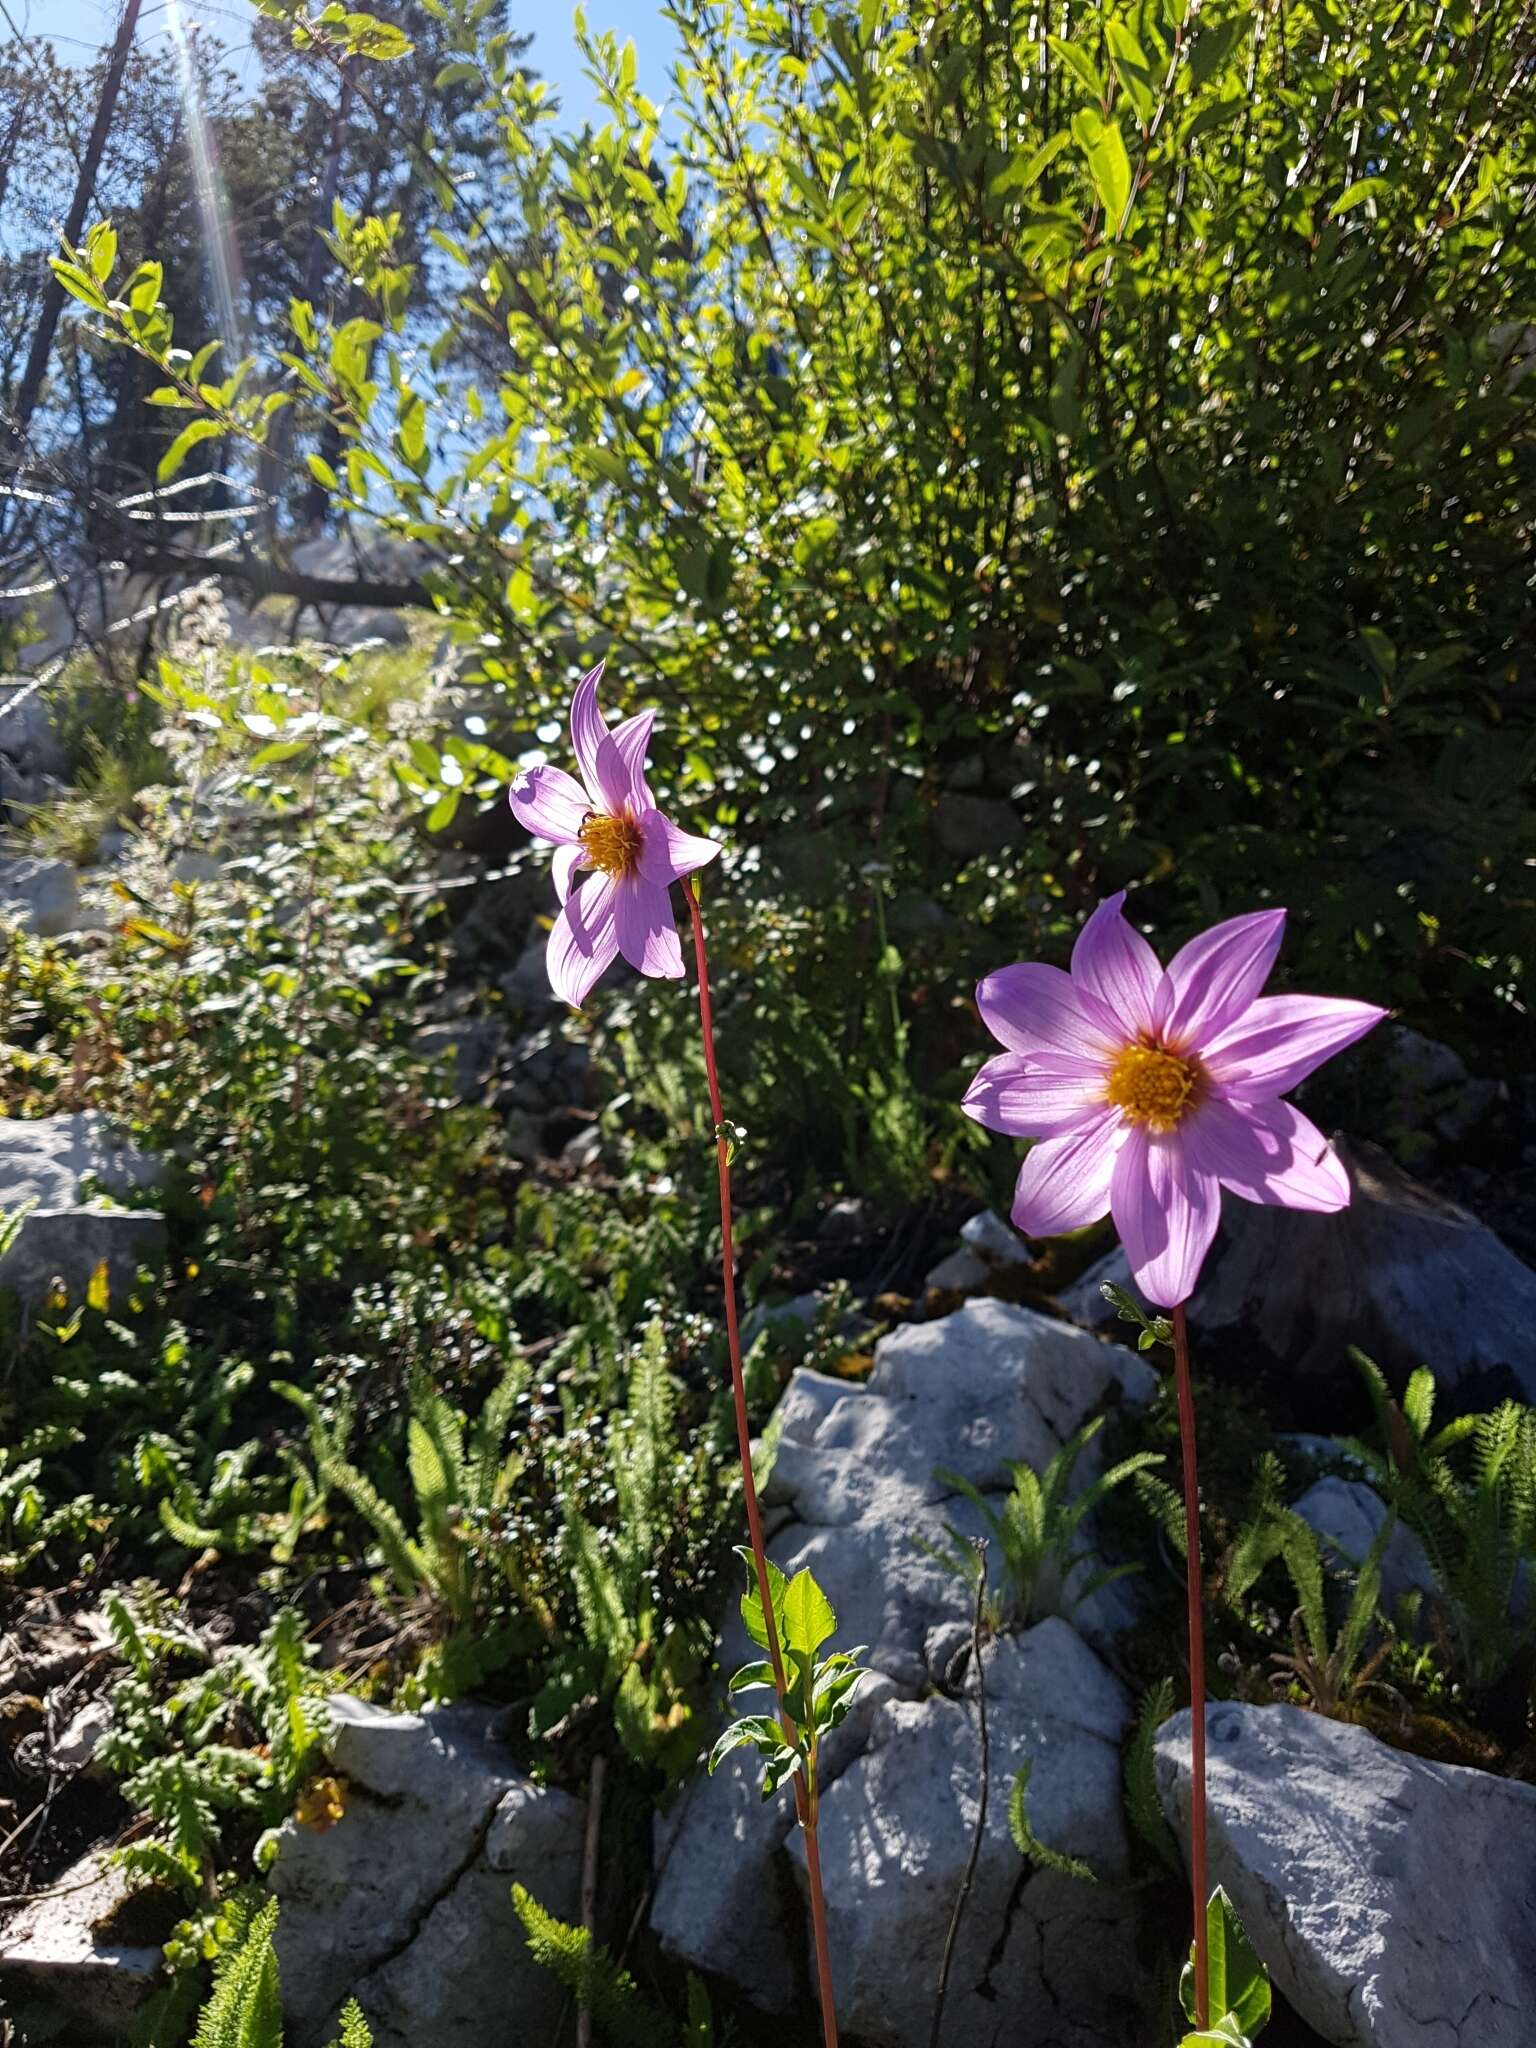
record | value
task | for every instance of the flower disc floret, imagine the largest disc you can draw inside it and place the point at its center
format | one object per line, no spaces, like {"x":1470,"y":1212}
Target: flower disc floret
{"x":613,"y":845}
{"x":1153,"y":1086}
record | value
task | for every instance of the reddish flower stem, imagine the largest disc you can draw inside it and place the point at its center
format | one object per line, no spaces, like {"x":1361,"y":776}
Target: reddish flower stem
{"x":1197,"y":1870}
{"x":805,"y":1805}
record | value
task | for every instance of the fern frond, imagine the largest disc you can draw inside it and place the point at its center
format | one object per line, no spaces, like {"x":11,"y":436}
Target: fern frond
{"x":1028,"y":1843}
{"x":1142,"y":1805}
{"x":608,"y":1992}
{"x":244,"y":2011}
{"x":354,"y":2028}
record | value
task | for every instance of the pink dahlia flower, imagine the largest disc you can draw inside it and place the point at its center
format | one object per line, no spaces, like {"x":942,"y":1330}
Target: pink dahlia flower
{"x":1151,"y":1090}
{"x":608,"y":822}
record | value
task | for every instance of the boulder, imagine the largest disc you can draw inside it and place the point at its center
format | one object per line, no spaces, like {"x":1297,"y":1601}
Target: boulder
{"x":853,"y":1483}
{"x":969,"y":825}
{"x":40,"y":896}
{"x":896,"y":1832}
{"x":1348,"y":1515}
{"x":61,"y":1948}
{"x":70,"y":1167}
{"x":1407,"y":1276}
{"x":1336,"y":1851}
{"x":405,"y":1903}
{"x":29,"y":740}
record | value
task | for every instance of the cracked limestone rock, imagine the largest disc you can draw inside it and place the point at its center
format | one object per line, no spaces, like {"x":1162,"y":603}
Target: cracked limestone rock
{"x":69,"y":1168}
{"x":896,"y":1831}
{"x":852,"y":1484}
{"x":405,"y":1903}
{"x":1337,"y":1853}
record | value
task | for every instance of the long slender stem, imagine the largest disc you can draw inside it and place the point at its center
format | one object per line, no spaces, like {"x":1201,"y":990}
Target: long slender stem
{"x":805,"y":1802}
{"x":1197,"y":1874}
{"x":962,"y":1897}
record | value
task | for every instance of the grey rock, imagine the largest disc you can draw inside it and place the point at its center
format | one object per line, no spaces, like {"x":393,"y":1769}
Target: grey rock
{"x":29,"y":740}
{"x":994,"y":1240}
{"x":193,"y":866}
{"x":801,"y":1310}
{"x":959,"y":1271}
{"x":1392,"y":1900}
{"x":53,"y":1948}
{"x":40,"y":896}
{"x":1348,"y":1515}
{"x":57,"y":1163}
{"x":405,"y":1903}
{"x":471,"y":1042}
{"x":896,"y":1831}
{"x":1404,"y":1274}
{"x":848,"y":1219}
{"x":854,"y":1470}
{"x":78,"y":1742}
{"x":969,"y":825}
{"x":583,"y":1150}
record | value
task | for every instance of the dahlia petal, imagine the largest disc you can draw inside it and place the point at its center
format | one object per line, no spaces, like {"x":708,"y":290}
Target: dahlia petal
{"x":1213,"y":979}
{"x":566,"y":862}
{"x":1114,"y":963}
{"x":1268,"y":1152}
{"x":1166,"y":1207}
{"x":632,"y":738}
{"x":588,"y":731}
{"x":583,"y":943}
{"x":667,"y":852}
{"x":1014,"y":1095}
{"x":642,"y":916}
{"x":1279,"y":1040}
{"x":550,"y":804}
{"x":1033,"y":1008}
{"x":1064,"y":1183}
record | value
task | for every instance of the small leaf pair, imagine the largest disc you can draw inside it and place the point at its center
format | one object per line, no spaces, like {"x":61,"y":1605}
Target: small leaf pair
{"x":818,"y":1690}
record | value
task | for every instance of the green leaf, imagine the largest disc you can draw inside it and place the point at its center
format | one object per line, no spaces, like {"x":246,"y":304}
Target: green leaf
{"x":101,"y":250}
{"x":809,"y":1618}
{"x":1108,"y":165}
{"x":1356,"y":194}
{"x":1239,"y":1988}
{"x":1077,"y":60}
{"x":751,"y":1604}
{"x":193,"y":432}
{"x":1022,"y":173}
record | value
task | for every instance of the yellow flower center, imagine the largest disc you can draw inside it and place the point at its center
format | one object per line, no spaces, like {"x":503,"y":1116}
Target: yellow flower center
{"x":613,"y":844}
{"x":1152,"y":1086}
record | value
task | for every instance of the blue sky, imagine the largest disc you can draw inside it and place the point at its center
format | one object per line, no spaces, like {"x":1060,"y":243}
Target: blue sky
{"x":79,"y":26}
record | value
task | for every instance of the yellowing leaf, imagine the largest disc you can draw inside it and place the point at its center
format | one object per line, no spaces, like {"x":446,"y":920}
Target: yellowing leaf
{"x":99,"y":1293}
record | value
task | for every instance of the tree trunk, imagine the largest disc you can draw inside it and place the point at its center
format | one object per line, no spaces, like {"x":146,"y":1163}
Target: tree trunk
{"x":30,"y":389}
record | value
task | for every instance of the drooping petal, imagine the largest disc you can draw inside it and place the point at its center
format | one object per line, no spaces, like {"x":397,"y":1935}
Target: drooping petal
{"x":667,"y":852}
{"x":1020,"y":1097}
{"x":1279,"y":1040}
{"x":566,"y":862}
{"x":632,"y":739}
{"x":1113,"y":962}
{"x":642,"y":916}
{"x":1166,"y":1208}
{"x":1213,"y":979}
{"x":1267,"y":1152}
{"x":1033,"y":1008}
{"x":583,"y":943}
{"x":588,"y":731}
{"x":1064,"y":1183}
{"x":550,"y":804}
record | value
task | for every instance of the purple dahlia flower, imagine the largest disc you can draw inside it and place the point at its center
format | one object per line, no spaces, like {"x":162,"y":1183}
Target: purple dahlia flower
{"x":1150,"y":1090}
{"x":608,"y":822}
